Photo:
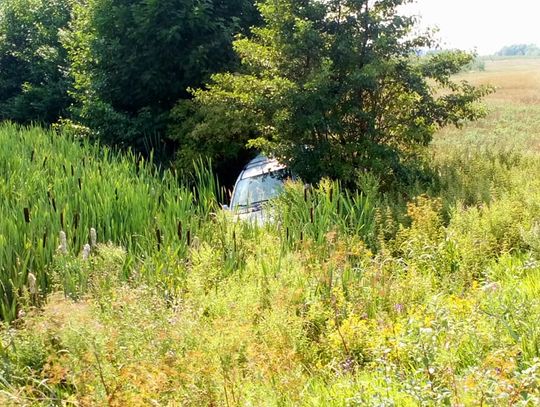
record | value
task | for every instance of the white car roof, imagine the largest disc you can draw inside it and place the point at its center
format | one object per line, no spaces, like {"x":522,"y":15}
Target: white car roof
{"x":261,"y":165}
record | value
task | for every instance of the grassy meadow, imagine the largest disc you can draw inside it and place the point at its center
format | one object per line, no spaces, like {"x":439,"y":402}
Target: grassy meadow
{"x":123,"y":285}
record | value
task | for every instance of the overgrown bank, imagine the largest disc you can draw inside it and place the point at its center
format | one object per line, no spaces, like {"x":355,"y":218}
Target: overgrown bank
{"x":380,"y":301}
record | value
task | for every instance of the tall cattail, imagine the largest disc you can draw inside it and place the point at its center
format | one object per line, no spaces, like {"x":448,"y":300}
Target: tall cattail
{"x":93,"y":238}
{"x":158,"y":238}
{"x":63,"y":243}
{"x":26,"y":215}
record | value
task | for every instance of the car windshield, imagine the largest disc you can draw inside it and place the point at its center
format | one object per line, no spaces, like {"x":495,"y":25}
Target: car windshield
{"x":260,"y":188}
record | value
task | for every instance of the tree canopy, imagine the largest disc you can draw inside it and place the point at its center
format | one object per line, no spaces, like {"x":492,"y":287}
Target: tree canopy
{"x":331,"y":88}
{"x":132,"y":60}
{"x":33,"y":64}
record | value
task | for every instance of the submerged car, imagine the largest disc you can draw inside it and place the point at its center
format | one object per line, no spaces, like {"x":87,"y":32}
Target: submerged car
{"x":262,"y":179}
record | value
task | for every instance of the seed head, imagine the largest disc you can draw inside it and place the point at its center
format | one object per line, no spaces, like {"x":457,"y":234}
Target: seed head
{"x":93,"y":237}
{"x":86,"y":251}
{"x":32,"y":285}
{"x":63,"y":243}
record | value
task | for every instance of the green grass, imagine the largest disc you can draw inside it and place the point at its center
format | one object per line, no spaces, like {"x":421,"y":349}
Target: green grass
{"x":426,"y":297}
{"x":51,"y":183}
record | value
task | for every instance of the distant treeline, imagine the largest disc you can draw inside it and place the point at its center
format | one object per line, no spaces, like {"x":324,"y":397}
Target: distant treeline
{"x":527,"y":50}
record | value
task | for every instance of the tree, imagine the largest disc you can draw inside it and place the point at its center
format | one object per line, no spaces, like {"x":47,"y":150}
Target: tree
{"x":331,"y":88}
{"x":33,"y":80}
{"x":132,"y":60}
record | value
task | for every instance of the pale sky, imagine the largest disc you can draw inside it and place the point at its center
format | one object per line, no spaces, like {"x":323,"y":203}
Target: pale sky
{"x":484,"y":25}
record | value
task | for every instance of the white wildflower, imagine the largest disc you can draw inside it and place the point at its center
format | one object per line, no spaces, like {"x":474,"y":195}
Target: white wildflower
{"x":426,"y":331}
{"x":491,"y":287}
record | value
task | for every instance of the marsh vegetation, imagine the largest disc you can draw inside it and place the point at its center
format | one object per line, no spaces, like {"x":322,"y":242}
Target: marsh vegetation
{"x":426,"y":295}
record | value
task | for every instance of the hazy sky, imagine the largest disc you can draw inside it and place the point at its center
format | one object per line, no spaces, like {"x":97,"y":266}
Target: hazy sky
{"x":486,"y":25}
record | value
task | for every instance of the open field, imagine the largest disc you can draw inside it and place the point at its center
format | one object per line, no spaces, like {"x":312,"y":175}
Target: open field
{"x":514,"y":109}
{"x":348,"y":300}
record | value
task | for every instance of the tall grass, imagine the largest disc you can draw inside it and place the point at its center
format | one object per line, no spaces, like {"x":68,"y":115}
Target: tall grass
{"x":51,"y":183}
{"x":315,"y":212}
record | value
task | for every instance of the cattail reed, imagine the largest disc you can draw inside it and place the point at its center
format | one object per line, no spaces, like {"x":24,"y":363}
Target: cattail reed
{"x":158,"y":238}
{"x":26,"y":215}
{"x":49,"y":205}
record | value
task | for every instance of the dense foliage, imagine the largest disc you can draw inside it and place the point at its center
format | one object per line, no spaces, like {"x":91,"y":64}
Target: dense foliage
{"x":331,"y":88}
{"x":33,"y":65}
{"x":133,"y":60}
